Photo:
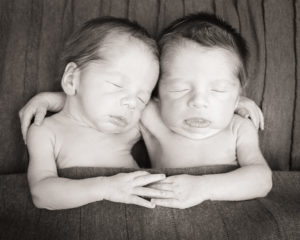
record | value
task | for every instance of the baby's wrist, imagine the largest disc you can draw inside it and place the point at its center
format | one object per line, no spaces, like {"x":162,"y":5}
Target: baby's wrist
{"x":54,"y":101}
{"x":100,"y":189}
{"x":206,"y":188}
{"x":44,"y":99}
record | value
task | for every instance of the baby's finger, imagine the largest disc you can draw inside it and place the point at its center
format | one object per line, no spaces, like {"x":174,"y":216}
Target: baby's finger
{"x":243,"y":112}
{"x":25,"y":122}
{"x":40,"y":115}
{"x":170,"y":202}
{"x":255,"y":120}
{"x":137,"y":174}
{"x":147,"y":179}
{"x":152,"y":193}
{"x":141,"y":202}
{"x":162,"y":186}
{"x":169,"y":180}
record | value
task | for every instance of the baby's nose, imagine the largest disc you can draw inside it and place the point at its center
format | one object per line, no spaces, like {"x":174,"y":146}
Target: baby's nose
{"x":129,"y":102}
{"x":199,"y":100}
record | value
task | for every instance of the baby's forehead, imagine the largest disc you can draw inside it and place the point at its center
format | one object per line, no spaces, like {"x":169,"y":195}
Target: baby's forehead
{"x":185,"y":55}
{"x":180,"y":46}
{"x":116,"y":43}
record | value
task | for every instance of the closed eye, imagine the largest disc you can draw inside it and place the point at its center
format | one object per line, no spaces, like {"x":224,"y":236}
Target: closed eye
{"x":218,"y":90}
{"x":181,"y":90}
{"x":142,"y":100}
{"x":114,"y":84}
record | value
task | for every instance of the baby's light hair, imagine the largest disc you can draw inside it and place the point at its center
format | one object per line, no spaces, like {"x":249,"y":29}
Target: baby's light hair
{"x":84,"y":44}
{"x":207,"y":30}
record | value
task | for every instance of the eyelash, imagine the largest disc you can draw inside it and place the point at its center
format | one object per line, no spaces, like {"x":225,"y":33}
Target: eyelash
{"x":183,"y":90}
{"x":114,"y":84}
{"x":142,"y":100}
{"x":218,"y":91}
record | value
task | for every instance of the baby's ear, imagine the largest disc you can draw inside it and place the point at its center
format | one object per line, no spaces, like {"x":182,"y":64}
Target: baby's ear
{"x":155,"y":99}
{"x":70,"y":79}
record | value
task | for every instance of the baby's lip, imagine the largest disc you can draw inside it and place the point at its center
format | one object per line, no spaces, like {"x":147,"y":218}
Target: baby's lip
{"x":119,"y":121}
{"x":197,"y":122}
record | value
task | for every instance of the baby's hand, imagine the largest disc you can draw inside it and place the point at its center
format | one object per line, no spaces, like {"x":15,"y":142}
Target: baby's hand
{"x":248,"y":109}
{"x":36,"y":107}
{"x":187,"y":191}
{"x":130,"y":188}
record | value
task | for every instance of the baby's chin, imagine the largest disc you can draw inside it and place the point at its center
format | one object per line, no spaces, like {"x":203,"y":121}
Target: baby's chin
{"x":195,"y":134}
{"x":110,"y":128}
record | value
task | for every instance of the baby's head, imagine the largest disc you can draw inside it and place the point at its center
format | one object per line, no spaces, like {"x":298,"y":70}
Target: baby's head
{"x":112,"y":68}
{"x":203,"y":72}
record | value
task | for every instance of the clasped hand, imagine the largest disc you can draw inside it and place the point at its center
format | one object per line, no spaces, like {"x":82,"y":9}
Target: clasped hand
{"x":181,"y":191}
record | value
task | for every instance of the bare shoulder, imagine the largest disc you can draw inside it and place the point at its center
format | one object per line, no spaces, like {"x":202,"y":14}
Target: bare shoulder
{"x":240,"y":124}
{"x":42,"y":132}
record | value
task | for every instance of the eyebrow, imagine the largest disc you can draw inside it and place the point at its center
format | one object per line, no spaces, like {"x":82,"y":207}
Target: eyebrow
{"x":231,"y":81}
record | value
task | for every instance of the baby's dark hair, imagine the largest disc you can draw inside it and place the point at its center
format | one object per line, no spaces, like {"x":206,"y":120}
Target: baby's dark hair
{"x":84,"y":44}
{"x":209,"y":31}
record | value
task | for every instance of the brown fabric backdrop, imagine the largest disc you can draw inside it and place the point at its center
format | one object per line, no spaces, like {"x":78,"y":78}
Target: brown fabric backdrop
{"x":33,"y":32}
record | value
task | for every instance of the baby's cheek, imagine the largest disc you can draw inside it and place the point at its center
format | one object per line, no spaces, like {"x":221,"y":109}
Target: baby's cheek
{"x":169,"y":117}
{"x":224,"y":116}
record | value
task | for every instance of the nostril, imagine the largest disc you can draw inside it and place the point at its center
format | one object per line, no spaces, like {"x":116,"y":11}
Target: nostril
{"x":128,"y":102}
{"x":198,"y":101}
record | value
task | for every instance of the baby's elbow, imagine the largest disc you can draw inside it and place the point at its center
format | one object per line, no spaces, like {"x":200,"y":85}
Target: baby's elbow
{"x":266,"y":182}
{"x":39,"y":200}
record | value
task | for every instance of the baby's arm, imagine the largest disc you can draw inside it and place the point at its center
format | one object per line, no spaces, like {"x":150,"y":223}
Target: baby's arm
{"x":38,"y":106}
{"x":52,"y":192}
{"x":252,"y":180}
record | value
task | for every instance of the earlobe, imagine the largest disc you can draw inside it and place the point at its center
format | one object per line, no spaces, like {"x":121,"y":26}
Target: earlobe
{"x":70,"y":79}
{"x":155,"y":99}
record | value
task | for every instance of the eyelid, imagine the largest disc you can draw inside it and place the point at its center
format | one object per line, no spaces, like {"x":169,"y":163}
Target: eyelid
{"x":181,"y":90}
{"x":143,"y":99}
{"x":115,"y":84}
{"x":219,"y":90}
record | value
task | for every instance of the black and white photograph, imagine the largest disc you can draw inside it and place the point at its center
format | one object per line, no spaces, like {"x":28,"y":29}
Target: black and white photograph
{"x":149,"y":120}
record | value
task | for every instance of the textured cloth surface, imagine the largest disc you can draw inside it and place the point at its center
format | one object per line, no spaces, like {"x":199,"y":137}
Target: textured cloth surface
{"x":32,"y":35}
{"x":276,"y":216}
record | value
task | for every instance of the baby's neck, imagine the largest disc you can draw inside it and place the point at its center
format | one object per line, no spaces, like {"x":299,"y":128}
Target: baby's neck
{"x":197,"y":136}
{"x":72,"y":112}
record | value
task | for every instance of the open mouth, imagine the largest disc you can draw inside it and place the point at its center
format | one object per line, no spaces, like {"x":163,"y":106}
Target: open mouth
{"x":118,"y":121}
{"x":197,"y":122}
